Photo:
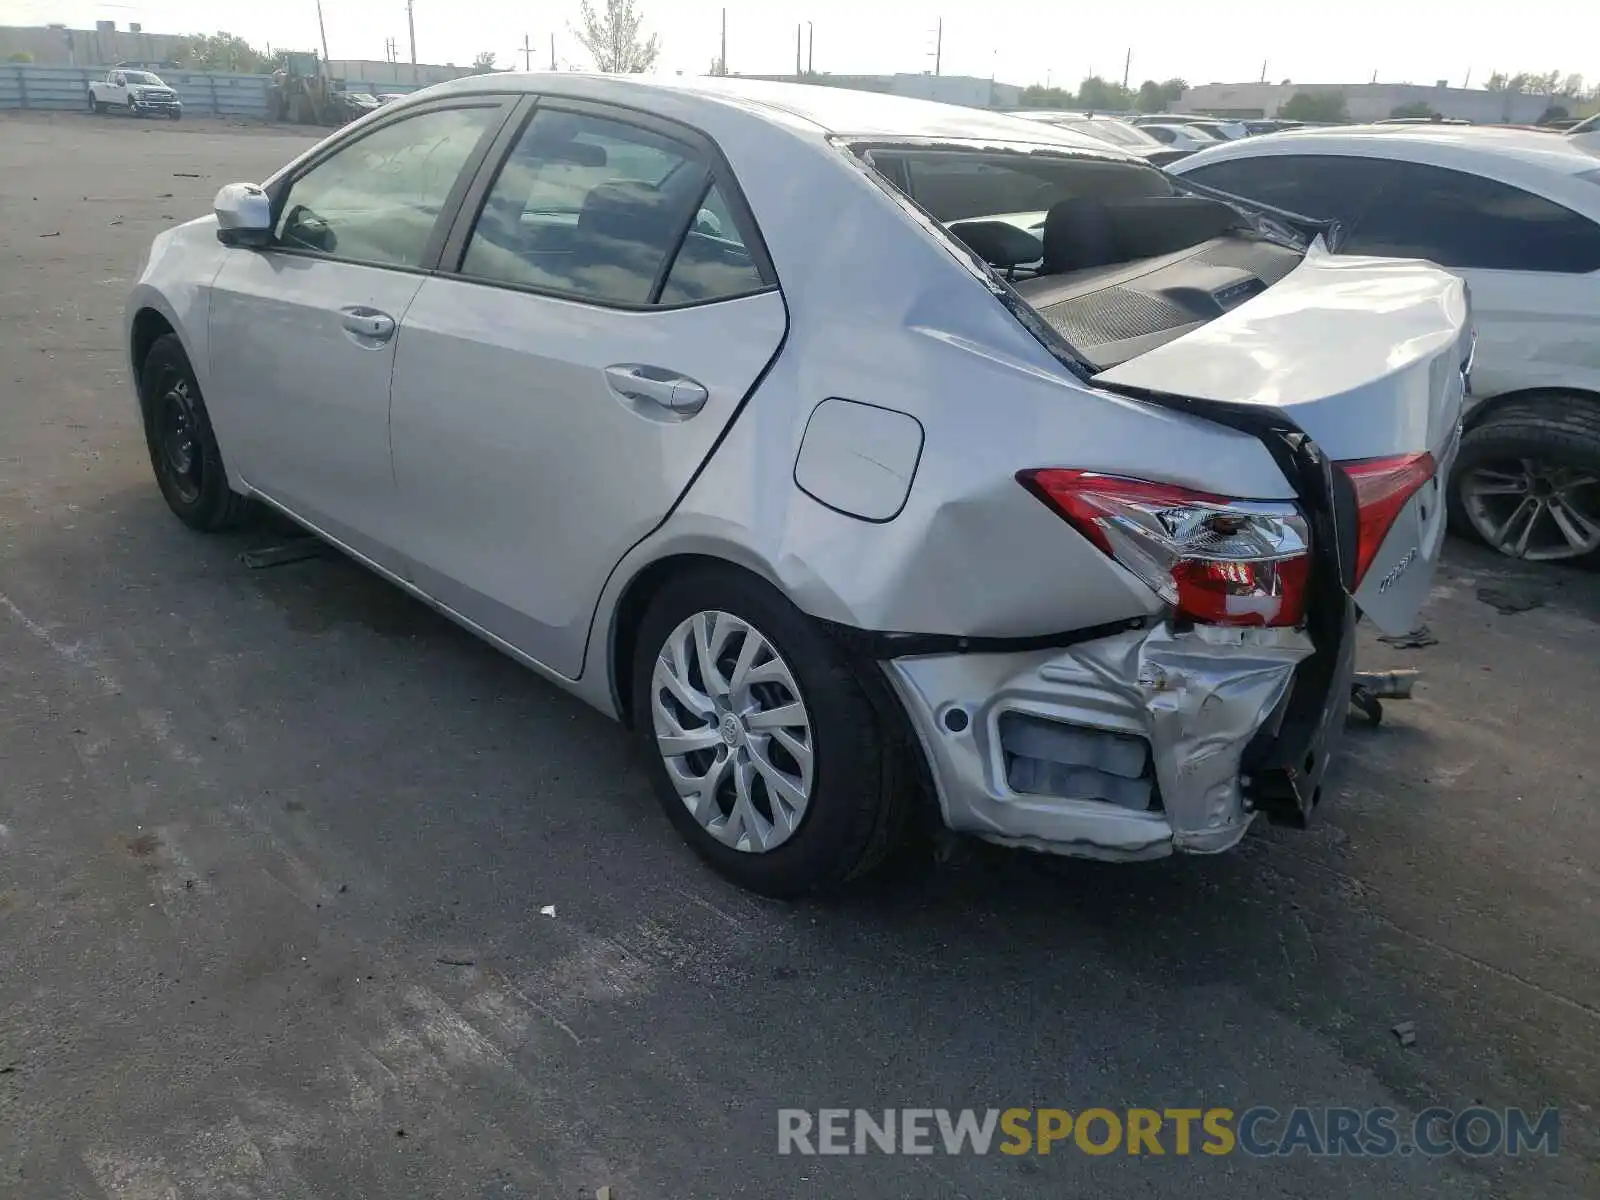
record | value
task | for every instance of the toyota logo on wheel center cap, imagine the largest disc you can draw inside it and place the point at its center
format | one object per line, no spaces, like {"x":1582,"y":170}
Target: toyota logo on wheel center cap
{"x":732,"y":729}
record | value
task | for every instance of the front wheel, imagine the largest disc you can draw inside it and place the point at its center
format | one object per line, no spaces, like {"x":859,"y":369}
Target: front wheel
{"x":764,"y":748}
{"x":174,"y":115}
{"x":183,"y":447}
{"x":1527,"y":480}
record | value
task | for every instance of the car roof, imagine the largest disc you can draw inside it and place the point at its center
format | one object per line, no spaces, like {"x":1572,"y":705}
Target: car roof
{"x":1439,"y":144}
{"x":840,"y":112}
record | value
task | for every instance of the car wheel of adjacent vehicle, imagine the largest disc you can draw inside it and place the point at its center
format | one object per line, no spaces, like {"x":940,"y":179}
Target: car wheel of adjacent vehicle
{"x":174,"y":116}
{"x":761,"y":741}
{"x":183,"y":448}
{"x":1527,"y":480}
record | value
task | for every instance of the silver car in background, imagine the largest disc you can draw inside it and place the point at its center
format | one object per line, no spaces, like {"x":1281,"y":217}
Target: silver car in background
{"x":870,"y":457}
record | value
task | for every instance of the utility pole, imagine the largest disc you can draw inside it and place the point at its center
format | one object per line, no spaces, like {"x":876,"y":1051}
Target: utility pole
{"x":797,"y":51}
{"x":552,"y":52}
{"x":722,"y":59}
{"x":324,"y":31}
{"x":938,"y":47}
{"x":1467,"y":82}
{"x":1263,"y":70}
{"x":527,"y":53}
{"x":1374,"y":74}
{"x":1127,"y":66}
{"x":411,"y":24}
{"x":811,"y":48}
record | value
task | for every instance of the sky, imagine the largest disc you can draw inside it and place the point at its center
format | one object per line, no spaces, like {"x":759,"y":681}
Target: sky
{"x":1015,"y":41}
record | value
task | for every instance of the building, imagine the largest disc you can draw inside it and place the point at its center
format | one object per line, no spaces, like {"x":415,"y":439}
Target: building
{"x":949,"y":89}
{"x":1366,"y":101}
{"x":105,"y":44}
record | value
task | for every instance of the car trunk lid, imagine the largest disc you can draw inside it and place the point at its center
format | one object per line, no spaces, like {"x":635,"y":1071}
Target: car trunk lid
{"x":1366,"y":356}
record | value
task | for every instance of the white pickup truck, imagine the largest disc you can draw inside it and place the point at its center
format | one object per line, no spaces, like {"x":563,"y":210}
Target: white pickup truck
{"x":136,"y":92}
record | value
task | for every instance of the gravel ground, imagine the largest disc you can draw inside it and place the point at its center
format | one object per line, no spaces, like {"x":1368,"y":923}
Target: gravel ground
{"x":305,"y":893}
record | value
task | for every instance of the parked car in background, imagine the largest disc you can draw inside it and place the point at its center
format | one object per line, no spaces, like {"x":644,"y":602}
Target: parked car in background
{"x":391,"y":97}
{"x":141,"y":93}
{"x":1586,"y":134}
{"x":1257,"y":126}
{"x":1126,"y":137}
{"x":807,"y":492}
{"x":1185,"y":138}
{"x":1221,"y":130}
{"x":1517,"y":214}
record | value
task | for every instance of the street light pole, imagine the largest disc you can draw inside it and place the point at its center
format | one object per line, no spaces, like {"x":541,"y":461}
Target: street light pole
{"x":411,"y":25}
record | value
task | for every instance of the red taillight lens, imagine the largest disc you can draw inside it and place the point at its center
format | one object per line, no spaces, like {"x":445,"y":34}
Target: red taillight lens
{"x":1217,"y":561}
{"x":1383,"y":485}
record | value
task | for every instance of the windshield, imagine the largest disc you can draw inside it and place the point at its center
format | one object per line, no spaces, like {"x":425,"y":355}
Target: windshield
{"x":143,"y":77}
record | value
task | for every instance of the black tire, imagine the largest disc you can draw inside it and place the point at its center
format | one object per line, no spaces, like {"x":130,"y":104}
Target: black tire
{"x":174,"y":115}
{"x":199,"y":495}
{"x":1560,"y":429}
{"x":861,"y":783}
{"x":99,"y":108}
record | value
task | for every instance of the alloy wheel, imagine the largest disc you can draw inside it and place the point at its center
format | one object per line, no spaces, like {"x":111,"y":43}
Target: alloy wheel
{"x":733,"y":729}
{"x":1533,"y":508}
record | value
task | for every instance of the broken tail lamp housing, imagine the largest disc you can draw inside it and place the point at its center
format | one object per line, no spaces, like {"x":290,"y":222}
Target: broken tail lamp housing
{"x":1383,"y":486}
{"x":1216,"y":561}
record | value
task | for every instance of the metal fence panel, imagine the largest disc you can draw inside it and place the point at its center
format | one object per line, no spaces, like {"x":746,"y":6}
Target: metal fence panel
{"x":204,"y":93}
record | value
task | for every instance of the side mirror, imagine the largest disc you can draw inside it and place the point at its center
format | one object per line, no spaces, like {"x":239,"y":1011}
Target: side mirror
{"x":244,"y":216}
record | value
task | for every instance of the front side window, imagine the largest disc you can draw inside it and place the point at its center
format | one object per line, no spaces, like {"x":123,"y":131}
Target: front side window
{"x":377,"y":200}
{"x":1467,"y":221}
{"x":608,"y":211}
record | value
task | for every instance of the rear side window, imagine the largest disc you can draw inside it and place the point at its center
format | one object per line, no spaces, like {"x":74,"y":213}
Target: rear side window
{"x":1467,"y":221}
{"x":713,"y":263}
{"x":1313,"y":185}
{"x":601,"y":209}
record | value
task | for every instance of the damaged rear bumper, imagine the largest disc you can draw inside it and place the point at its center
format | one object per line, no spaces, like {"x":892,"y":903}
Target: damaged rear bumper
{"x":1130,"y":746}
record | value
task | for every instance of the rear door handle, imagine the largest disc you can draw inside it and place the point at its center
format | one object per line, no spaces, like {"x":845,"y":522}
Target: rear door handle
{"x":654,"y":385}
{"x":368,"y":324}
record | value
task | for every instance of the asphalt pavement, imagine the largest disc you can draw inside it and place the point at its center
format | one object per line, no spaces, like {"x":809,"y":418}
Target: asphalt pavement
{"x":306,"y":893}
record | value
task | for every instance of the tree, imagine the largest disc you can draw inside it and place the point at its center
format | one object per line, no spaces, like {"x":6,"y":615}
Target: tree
{"x":1416,"y":108}
{"x":613,"y":38}
{"x":19,"y":56}
{"x":1556,"y":112}
{"x":1154,"y":97}
{"x":221,"y":52}
{"x":1038,"y":96}
{"x":1098,"y":95}
{"x":484,"y":62}
{"x":1315,"y":106}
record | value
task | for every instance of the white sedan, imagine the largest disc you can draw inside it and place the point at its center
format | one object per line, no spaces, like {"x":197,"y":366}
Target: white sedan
{"x":756,"y":416}
{"x":1517,"y":214}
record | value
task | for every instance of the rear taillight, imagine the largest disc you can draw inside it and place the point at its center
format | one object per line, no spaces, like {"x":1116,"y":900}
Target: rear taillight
{"x":1383,"y":485}
{"x":1216,"y":561}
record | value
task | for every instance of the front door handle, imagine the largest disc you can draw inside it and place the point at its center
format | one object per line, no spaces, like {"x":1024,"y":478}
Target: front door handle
{"x":653,"y":385}
{"x":368,"y":324}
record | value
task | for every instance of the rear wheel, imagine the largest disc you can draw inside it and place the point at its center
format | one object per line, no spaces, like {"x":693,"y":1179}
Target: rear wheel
{"x":1527,"y":480}
{"x":183,"y":448}
{"x":763,"y":746}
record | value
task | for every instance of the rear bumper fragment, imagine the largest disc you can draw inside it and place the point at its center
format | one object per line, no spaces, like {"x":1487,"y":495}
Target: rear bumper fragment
{"x":1126,"y":747}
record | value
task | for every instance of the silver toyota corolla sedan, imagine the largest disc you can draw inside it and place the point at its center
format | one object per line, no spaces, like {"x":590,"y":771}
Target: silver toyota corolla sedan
{"x":872,"y":458}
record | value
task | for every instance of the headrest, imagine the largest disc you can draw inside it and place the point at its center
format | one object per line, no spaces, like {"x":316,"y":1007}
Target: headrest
{"x":625,"y":210}
{"x":1077,"y":234}
{"x":998,"y":243}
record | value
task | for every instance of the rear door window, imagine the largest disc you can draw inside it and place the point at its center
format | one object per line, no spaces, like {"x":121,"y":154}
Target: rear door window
{"x":1313,"y":185}
{"x":1469,"y":222}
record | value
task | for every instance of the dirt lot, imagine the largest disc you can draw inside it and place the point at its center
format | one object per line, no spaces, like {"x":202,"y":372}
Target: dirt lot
{"x":276,"y":851}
